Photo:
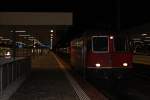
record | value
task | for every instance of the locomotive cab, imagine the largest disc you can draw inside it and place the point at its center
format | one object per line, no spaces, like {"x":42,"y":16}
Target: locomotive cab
{"x":105,"y":56}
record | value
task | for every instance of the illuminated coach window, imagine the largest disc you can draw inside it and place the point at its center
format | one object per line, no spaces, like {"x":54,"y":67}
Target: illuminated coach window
{"x":100,"y":44}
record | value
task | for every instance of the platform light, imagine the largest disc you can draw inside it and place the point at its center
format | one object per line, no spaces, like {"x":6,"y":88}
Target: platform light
{"x":111,"y":37}
{"x":144,"y":34}
{"x":97,"y":65}
{"x":125,"y":64}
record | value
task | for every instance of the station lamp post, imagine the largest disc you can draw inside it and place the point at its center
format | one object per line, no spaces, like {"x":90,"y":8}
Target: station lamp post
{"x":14,"y":43}
{"x":51,"y":38}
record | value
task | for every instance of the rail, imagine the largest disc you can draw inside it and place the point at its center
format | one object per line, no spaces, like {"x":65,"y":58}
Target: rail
{"x":13,"y":70}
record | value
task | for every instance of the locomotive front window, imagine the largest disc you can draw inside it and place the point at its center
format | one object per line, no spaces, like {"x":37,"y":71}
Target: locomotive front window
{"x":100,"y":44}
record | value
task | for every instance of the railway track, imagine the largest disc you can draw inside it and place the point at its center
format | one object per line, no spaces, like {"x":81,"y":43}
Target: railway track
{"x":136,"y":87}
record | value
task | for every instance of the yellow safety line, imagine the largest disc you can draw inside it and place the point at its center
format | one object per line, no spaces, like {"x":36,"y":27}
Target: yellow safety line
{"x":81,"y":94}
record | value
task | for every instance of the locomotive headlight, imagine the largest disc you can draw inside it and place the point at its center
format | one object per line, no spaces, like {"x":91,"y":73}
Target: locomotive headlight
{"x":125,"y":64}
{"x":97,"y":65}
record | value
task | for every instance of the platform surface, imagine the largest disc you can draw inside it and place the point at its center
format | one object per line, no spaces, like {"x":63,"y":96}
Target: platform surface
{"x":47,"y":82}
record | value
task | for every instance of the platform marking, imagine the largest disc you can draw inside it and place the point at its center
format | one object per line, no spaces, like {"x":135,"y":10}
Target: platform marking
{"x":81,"y":94}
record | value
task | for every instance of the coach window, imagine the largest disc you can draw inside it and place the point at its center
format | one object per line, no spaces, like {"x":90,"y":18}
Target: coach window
{"x":100,"y":44}
{"x":120,"y":44}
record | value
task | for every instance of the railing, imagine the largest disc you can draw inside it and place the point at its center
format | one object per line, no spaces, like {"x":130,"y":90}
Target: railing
{"x":13,"y":70}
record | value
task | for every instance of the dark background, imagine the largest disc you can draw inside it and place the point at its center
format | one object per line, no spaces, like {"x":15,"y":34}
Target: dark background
{"x":92,"y":14}
{"x":100,"y":15}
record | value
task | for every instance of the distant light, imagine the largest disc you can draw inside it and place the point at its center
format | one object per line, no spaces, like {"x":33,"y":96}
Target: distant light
{"x":51,"y":37}
{"x":7,"y":55}
{"x":52,"y":30}
{"x":144,"y":34}
{"x":20,"y":31}
{"x":34,"y":46}
{"x":111,"y":37}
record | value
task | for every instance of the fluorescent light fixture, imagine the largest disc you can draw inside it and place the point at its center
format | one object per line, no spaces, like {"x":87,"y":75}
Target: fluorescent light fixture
{"x":144,"y":34}
{"x":147,"y":40}
{"x":24,"y":35}
{"x":136,"y":39}
{"x":5,"y":39}
{"x":20,"y":31}
{"x":20,"y":42}
{"x":147,"y":37}
{"x":1,"y":37}
{"x":31,"y":37}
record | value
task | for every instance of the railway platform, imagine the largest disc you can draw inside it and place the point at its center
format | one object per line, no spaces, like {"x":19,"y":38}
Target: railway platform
{"x":49,"y":81}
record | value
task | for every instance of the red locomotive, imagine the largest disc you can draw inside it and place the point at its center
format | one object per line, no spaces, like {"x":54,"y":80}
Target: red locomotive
{"x":101,"y":53}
